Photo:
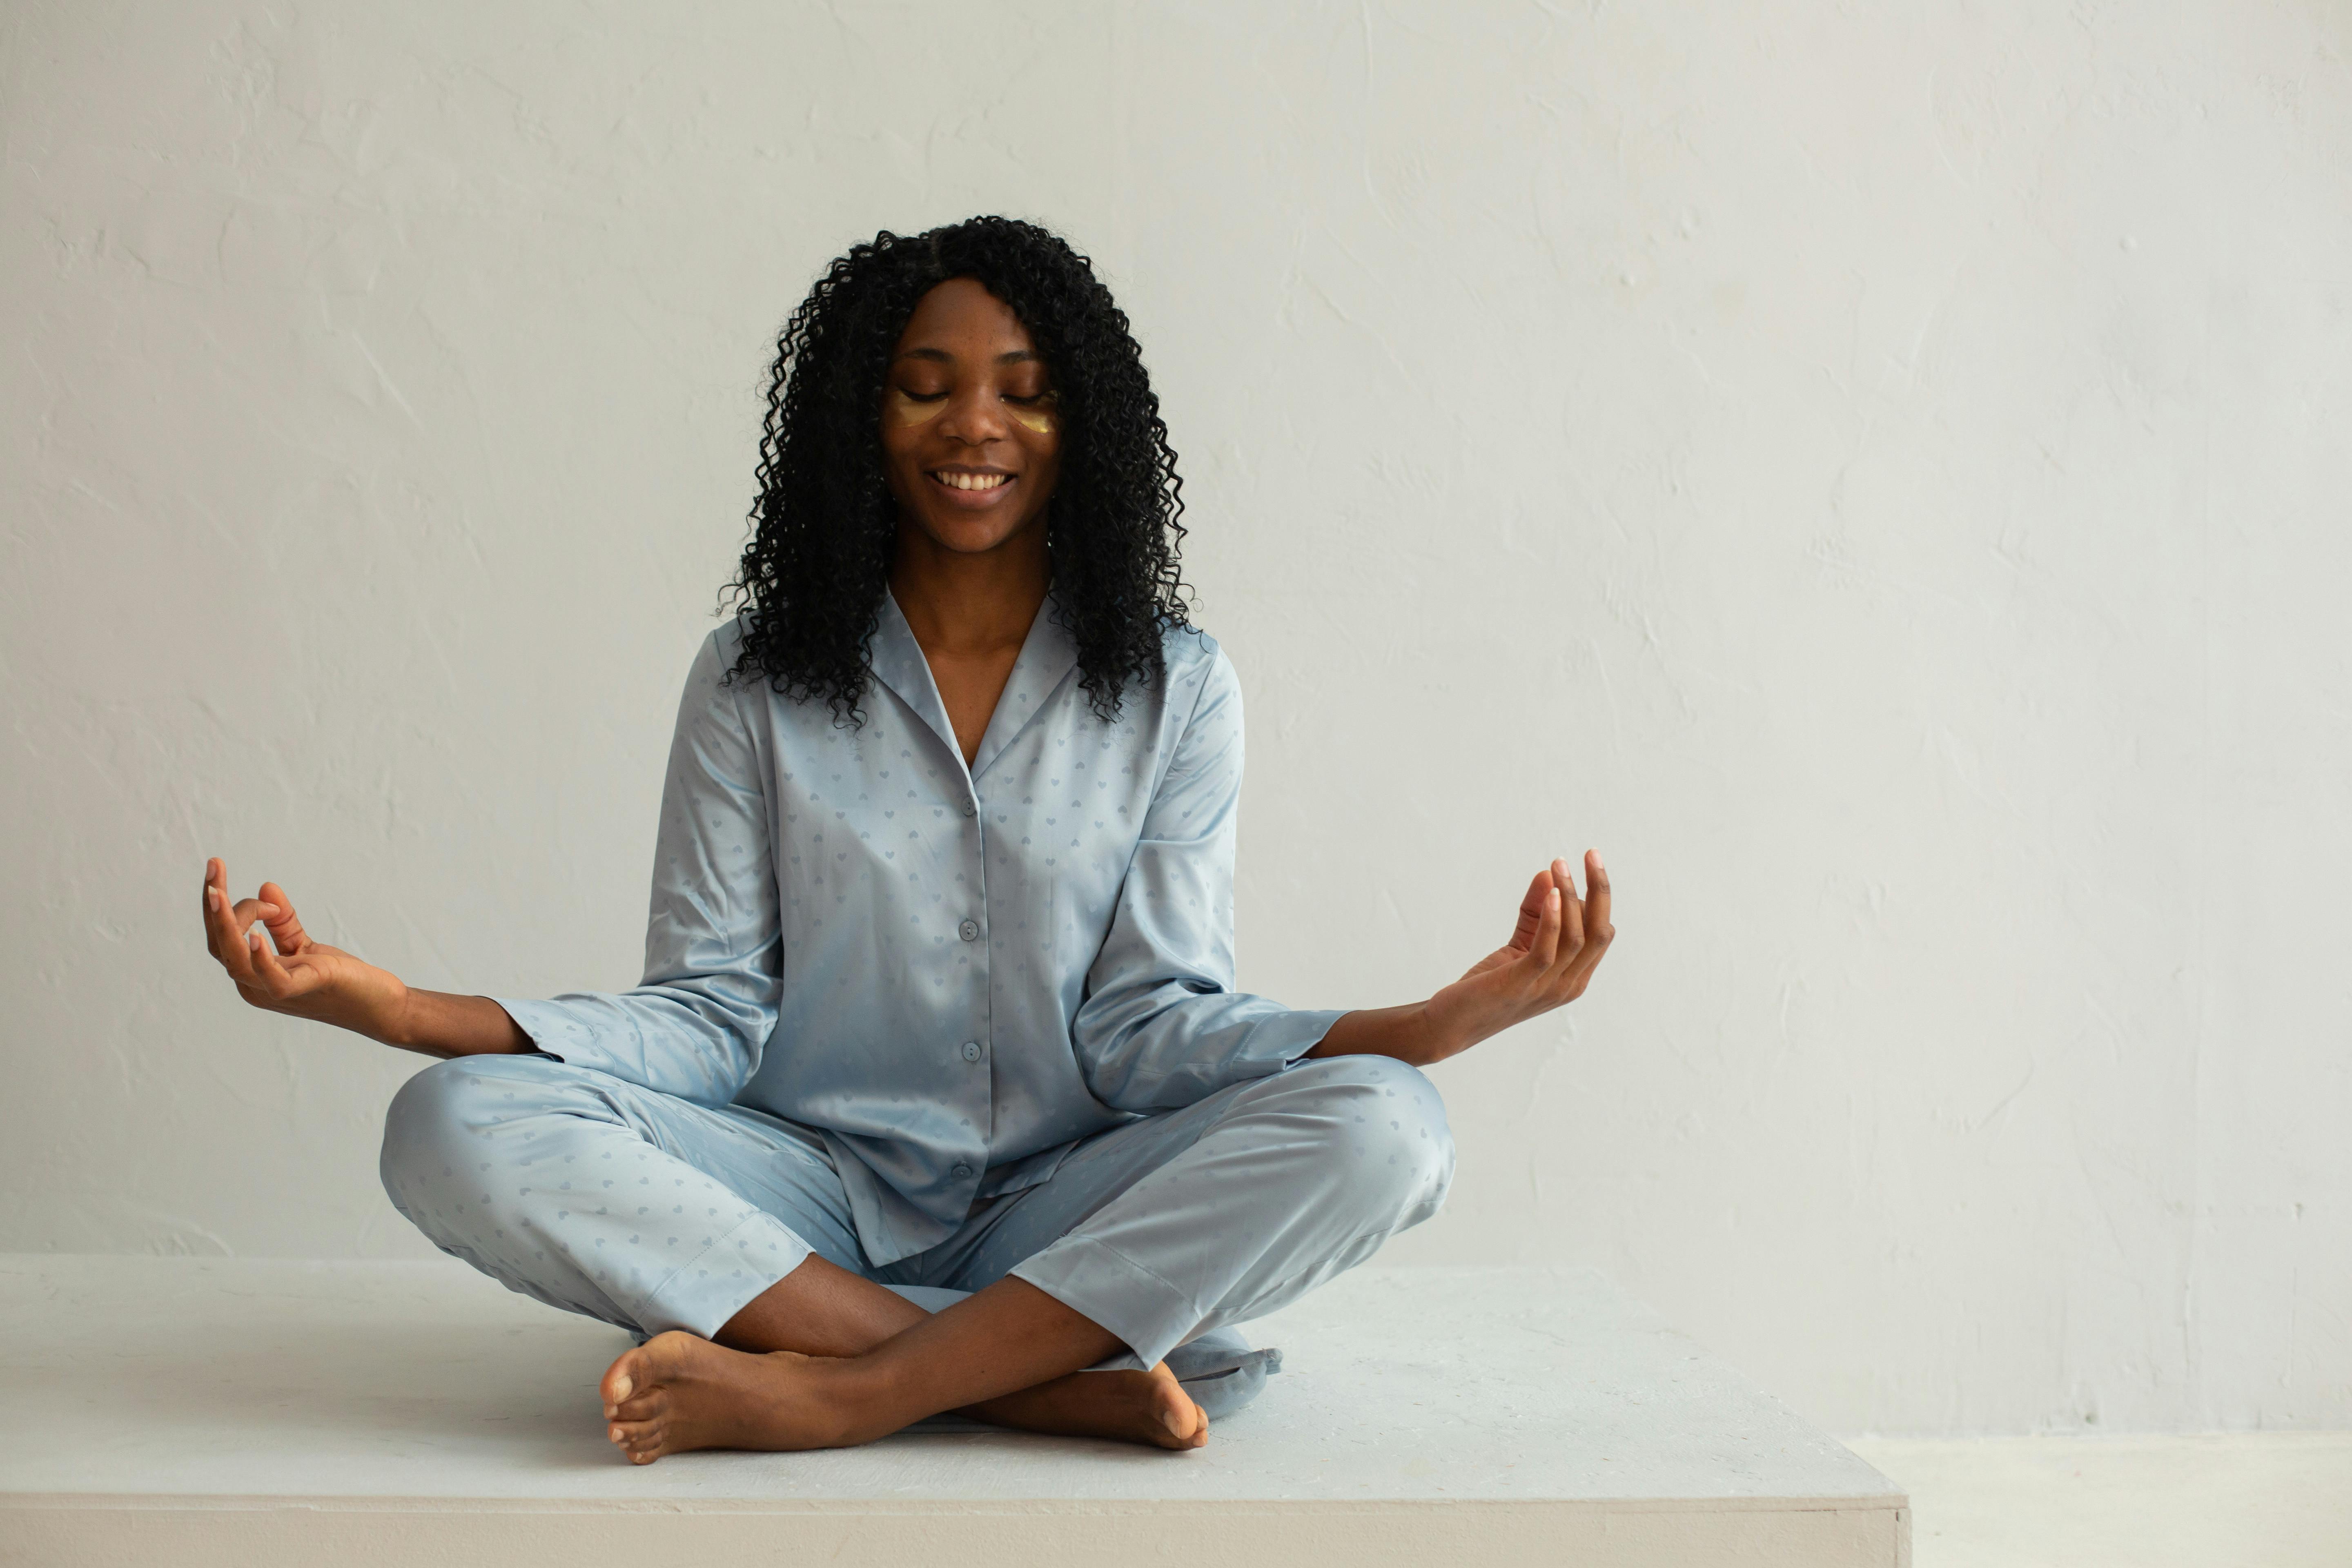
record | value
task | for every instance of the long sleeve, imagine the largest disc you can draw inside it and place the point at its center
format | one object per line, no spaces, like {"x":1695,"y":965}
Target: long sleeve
{"x":1162,"y":1025}
{"x":698,"y":1023}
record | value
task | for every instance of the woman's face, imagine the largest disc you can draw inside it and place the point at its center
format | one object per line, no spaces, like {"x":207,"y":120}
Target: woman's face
{"x":971,"y":436}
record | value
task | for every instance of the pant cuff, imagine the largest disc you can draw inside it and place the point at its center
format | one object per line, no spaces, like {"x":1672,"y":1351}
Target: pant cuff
{"x":724,"y":1278}
{"x":1099,"y":1283}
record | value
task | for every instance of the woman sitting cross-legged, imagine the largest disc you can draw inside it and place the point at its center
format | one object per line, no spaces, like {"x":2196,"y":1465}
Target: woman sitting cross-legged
{"x":938,"y":984}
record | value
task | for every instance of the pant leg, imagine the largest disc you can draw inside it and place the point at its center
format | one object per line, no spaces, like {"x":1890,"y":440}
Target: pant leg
{"x":1224,"y":1211}
{"x":597,"y":1195}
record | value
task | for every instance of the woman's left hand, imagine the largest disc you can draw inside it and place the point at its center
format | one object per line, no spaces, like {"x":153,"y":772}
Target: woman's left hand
{"x":1559,"y":940}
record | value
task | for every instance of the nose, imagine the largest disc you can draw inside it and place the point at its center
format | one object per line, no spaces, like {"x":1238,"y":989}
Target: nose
{"x":973,"y":417}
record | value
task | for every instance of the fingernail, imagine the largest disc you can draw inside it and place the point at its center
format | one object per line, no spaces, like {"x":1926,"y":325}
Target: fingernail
{"x":1596,"y":858}
{"x":215,"y":898}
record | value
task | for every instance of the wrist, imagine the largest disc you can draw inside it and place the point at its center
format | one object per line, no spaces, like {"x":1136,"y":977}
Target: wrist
{"x":1440,"y":1033}
{"x":396,"y":1022}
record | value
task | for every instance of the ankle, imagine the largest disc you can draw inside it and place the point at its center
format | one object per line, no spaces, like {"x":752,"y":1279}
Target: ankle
{"x":865,"y":1397}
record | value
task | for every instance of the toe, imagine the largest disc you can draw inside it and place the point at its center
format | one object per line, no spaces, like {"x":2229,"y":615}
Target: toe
{"x":619,"y":1380}
{"x":648,"y":1405}
{"x":640,"y":1440}
{"x":1175,"y":1408}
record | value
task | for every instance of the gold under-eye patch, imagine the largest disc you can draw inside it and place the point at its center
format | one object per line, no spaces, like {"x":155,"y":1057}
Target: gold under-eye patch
{"x":1038,"y":416}
{"x":904,"y":410}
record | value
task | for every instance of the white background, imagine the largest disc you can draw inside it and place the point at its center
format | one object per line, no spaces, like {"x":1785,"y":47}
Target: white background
{"x":1879,"y":473}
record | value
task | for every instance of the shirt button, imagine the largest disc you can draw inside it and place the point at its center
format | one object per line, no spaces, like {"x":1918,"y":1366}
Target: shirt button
{"x":970,"y":809}
{"x":968,"y":931}
{"x":971,"y":1051}
{"x":960,"y":1172}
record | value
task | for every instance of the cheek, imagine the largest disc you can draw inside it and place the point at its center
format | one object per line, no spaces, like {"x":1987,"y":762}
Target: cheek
{"x":1036,"y":421}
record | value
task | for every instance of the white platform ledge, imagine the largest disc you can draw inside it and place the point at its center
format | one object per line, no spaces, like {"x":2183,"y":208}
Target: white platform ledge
{"x":253,"y":1413}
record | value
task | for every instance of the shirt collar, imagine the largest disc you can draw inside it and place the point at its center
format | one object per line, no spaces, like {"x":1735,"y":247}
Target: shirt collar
{"x":1048,"y":654}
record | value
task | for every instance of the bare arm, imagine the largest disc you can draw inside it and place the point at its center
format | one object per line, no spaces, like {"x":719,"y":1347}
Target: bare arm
{"x":292,"y":974}
{"x":1555,"y":946}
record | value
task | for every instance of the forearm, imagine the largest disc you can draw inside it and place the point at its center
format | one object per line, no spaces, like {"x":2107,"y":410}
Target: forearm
{"x":1408,"y":1033}
{"x":443,"y":1024}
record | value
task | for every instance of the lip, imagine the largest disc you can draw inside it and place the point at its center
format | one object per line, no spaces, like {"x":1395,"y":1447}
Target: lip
{"x":969,"y":501}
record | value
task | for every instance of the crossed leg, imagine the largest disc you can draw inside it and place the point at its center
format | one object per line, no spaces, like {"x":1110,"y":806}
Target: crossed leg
{"x":1010,"y":1354}
{"x":610,"y":1199}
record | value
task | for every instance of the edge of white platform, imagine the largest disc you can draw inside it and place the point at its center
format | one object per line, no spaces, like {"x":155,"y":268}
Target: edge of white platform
{"x":376,"y":1533}
{"x":911,"y":1507}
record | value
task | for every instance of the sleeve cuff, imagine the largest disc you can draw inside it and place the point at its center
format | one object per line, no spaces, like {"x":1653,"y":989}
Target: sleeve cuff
{"x":1287,"y":1036}
{"x":555,"y":1030}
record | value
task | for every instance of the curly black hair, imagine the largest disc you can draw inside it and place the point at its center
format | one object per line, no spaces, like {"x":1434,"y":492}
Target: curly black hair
{"x":823,"y":529}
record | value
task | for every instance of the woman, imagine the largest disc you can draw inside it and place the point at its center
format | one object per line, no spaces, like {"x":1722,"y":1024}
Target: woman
{"x":939,"y":980}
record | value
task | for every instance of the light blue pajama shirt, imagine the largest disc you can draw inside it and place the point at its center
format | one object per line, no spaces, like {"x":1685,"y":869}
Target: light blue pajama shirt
{"x":888,"y":997}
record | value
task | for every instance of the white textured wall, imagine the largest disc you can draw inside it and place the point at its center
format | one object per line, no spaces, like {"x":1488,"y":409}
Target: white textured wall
{"x":1879,"y":472}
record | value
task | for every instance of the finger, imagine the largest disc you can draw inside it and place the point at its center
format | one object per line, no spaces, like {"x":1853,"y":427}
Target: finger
{"x":273,"y":976}
{"x":222,"y":934}
{"x":1571,"y":913}
{"x":1599,"y":929}
{"x":1545,"y":949}
{"x":1531,"y":909}
{"x":285,"y":926}
{"x":245,"y":911}
{"x":215,"y":886}
{"x":1596,"y":898}
{"x":231,"y":949}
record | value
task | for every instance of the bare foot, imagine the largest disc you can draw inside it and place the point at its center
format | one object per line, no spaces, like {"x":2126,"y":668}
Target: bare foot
{"x":677,"y":1392}
{"x":1132,"y":1406}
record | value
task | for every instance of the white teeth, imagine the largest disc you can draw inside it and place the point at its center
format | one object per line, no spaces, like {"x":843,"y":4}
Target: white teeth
{"x":973,"y":481}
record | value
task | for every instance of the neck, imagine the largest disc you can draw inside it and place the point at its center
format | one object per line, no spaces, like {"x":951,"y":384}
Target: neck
{"x":964,"y":603}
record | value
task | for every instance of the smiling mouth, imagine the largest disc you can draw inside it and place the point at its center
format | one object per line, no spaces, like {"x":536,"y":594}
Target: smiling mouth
{"x":957,"y":480}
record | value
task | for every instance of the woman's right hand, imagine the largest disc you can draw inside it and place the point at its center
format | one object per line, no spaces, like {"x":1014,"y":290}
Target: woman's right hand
{"x":290,"y":972}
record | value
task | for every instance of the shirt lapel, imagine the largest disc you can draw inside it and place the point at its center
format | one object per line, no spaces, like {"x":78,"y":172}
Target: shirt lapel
{"x":1047,"y":656}
{"x":898,"y":664}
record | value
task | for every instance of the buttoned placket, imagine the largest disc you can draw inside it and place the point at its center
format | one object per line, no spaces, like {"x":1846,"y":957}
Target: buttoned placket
{"x":1047,"y":654}
{"x":974,"y":930}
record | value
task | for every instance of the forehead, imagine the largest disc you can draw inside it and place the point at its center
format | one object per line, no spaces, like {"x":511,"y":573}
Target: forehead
{"x":959,"y":318}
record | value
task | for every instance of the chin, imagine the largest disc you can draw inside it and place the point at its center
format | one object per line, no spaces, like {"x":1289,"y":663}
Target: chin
{"x":971,"y":535}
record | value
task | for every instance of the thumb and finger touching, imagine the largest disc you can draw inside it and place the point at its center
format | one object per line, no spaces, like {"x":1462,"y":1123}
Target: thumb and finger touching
{"x":226,"y":923}
{"x":1561,"y":937}
{"x":276,"y":978}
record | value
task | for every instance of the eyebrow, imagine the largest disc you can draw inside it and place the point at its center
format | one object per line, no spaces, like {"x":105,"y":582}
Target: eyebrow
{"x":1015,"y":357}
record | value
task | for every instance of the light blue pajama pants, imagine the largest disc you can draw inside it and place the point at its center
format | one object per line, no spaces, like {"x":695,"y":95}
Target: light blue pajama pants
{"x":651,"y":1213}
